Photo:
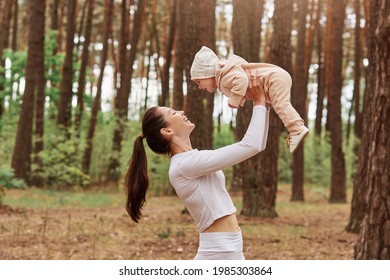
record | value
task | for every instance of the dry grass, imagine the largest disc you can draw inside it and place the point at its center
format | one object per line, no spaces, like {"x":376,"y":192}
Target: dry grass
{"x":77,"y":229}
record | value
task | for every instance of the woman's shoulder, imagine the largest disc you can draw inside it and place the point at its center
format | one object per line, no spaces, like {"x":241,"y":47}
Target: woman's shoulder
{"x":184,"y":154}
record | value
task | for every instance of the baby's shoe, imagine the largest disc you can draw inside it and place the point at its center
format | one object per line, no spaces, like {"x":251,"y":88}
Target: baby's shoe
{"x":293,"y":141}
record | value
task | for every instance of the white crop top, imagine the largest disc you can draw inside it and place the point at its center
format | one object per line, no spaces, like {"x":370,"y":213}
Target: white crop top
{"x":198,"y":179}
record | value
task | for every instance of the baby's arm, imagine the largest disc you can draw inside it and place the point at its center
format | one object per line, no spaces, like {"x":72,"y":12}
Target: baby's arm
{"x":240,"y":84}
{"x":246,"y":86}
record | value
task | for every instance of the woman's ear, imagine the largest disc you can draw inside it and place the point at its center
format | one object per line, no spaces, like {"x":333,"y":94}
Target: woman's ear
{"x":166,"y":131}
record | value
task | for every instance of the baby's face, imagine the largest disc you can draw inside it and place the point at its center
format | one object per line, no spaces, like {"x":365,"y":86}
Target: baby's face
{"x":208,"y":84}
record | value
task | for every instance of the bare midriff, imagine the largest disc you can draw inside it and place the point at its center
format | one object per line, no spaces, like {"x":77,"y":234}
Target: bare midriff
{"x":225,"y":224}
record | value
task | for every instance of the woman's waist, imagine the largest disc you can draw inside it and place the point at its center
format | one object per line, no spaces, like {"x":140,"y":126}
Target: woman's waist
{"x":227,"y":223}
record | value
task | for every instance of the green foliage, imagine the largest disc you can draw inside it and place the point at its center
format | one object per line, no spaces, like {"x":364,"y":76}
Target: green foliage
{"x":7,"y":181}
{"x":317,"y":160}
{"x":158,"y":173}
{"x":224,"y":136}
{"x":53,"y":64}
{"x":285,"y":160}
{"x":14,"y":72}
{"x":102,"y":146}
{"x":61,"y":163}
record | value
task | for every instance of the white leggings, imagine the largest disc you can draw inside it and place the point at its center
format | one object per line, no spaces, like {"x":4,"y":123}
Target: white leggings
{"x":220,"y":246}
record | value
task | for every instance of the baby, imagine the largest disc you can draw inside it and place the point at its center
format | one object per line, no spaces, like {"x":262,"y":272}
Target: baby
{"x":231,"y":78}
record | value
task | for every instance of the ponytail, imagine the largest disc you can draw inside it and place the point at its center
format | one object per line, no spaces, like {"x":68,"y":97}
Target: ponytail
{"x":136,"y":180}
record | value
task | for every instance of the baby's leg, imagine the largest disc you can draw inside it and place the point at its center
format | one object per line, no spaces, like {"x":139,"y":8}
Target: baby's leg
{"x":279,"y":92}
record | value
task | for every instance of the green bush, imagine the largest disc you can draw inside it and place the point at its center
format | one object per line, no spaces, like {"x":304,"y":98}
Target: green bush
{"x":7,"y":181}
{"x":61,"y":164}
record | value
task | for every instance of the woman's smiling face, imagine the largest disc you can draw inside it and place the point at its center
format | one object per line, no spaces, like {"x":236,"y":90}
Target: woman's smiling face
{"x":177,"y":121}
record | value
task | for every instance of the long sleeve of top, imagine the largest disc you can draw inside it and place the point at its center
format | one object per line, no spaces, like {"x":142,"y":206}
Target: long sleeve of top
{"x":197,"y":176}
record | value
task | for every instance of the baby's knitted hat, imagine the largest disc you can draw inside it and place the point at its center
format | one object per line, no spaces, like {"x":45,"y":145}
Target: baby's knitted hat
{"x":203,"y":66}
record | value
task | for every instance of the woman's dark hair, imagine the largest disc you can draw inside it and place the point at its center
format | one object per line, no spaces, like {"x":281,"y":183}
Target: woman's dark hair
{"x":136,"y":179}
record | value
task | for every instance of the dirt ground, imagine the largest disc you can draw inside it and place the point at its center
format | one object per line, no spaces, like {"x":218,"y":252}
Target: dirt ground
{"x":313,"y":229}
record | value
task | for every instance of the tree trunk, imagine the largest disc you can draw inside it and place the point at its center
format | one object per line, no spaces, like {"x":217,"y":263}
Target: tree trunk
{"x":357,"y":72}
{"x":5,"y":18}
{"x":334,"y":87}
{"x":246,"y":43}
{"x":54,"y":15}
{"x":182,"y":14}
{"x":280,"y":54}
{"x":120,"y":111}
{"x":374,"y":238}
{"x":96,"y":102}
{"x":60,"y":26}
{"x":40,"y":99}
{"x":122,"y":99}
{"x":14,"y":44}
{"x":164,"y":100}
{"x":360,"y":182}
{"x":66,"y":91}
{"x":200,"y":31}
{"x":81,"y":26}
{"x":21,"y":158}
{"x":320,"y":73}
{"x":83,"y":68}
{"x":298,"y":99}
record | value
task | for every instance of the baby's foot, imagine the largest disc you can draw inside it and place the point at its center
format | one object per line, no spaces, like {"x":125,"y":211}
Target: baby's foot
{"x":293,"y":141}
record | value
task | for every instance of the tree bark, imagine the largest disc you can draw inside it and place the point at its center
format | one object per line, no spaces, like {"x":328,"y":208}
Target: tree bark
{"x":122,"y":99}
{"x":334,"y":87}
{"x":200,"y":31}
{"x":96,"y":102}
{"x":357,"y":72}
{"x":182,"y":14}
{"x":267,"y":179}
{"x":120,"y":111}
{"x":298,"y":99}
{"x":21,"y":158}
{"x":83,"y":68}
{"x":374,"y":238}
{"x":164,"y":99}
{"x":81,"y":25}
{"x":5,"y":18}
{"x":5,"y":26}
{"x":320,"y":73}
{"x":246,"y":43}
{"x":66,"y":90}
{"x":280,"y":54}
{"x":360,"y":181}
{"x":54,"y":15}
{"x":40,"y":99}
{"x":14,"y":44}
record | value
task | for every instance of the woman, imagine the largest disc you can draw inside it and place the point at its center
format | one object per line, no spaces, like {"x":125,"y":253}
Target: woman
{"x":196,"y":176}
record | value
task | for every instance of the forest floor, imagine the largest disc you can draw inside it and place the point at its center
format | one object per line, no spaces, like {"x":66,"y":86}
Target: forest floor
{"x":55,"y":225}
